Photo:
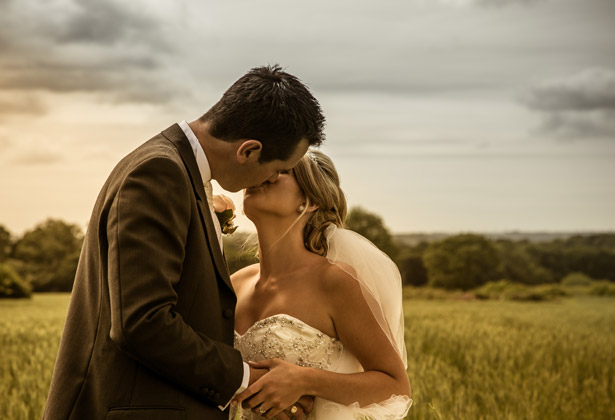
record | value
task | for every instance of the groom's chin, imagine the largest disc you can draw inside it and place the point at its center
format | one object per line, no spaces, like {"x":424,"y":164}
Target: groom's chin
{"x":231,"y":188}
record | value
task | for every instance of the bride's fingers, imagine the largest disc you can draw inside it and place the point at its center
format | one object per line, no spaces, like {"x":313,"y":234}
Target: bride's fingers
{"x":254,"y":401}
{"x":247,"y":393}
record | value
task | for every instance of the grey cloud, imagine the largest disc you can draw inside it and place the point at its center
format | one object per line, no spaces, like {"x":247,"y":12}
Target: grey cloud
{"x":84,"y":45}
{"x":589,"y":90}
{"x":579,"y":106}
{"x":576,"y":125}
{"x":70,"y":74}
{"x":104,"y":22}
{"x":120,"y":83}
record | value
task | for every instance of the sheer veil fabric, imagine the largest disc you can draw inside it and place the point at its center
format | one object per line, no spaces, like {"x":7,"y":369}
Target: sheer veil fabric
{"x":378,"y":277}
{"x":380,"y":283}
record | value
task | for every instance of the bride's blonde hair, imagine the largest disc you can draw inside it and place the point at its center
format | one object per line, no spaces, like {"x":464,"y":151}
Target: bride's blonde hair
{"x":320,"y":185}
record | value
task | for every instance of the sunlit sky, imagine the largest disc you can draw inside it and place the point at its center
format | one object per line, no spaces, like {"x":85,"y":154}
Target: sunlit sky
{"x":442,"y":116}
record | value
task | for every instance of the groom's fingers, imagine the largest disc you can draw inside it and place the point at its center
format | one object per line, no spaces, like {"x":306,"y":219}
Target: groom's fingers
{"x":305,"y":404}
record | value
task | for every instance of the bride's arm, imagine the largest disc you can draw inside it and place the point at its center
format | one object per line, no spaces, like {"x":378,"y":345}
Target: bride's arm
{"x":384,"y":372}
{"x":360,"y":333}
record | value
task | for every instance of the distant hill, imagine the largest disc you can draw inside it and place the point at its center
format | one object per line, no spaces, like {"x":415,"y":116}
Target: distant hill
{"x":536,"y":237}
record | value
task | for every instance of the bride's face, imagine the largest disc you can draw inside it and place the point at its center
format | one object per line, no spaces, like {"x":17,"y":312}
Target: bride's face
{"x":281,"y":198}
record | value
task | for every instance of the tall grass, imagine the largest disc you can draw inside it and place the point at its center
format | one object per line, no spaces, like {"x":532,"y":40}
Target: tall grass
{"x":467,"y":359}
{"x":30,"y":331}
{"x":512,"y":360}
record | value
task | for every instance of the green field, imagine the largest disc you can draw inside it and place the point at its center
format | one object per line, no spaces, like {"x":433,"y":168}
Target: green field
{"x":467,"y":360}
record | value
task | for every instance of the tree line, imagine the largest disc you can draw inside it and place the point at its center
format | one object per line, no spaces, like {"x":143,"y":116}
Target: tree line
{"x":44,"y":259}
{"x":466,"y":261}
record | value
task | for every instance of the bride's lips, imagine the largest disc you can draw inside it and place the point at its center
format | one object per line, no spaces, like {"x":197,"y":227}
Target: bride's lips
{"x":254,"y":187}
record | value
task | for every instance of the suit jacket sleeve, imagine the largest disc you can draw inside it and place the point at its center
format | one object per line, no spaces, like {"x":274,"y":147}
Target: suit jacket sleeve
{"x":147,"y":229}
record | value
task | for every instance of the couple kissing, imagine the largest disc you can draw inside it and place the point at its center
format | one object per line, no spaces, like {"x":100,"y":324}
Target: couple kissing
{"x":158,"y":329}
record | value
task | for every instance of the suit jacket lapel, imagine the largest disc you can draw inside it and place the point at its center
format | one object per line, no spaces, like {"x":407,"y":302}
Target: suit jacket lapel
{"x":176,"y":135}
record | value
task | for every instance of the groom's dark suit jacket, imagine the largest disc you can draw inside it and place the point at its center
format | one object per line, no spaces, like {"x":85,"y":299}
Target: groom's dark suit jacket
{"x":149,"y":331}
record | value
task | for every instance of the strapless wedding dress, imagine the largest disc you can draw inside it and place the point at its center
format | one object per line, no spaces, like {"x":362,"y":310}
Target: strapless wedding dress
{"x":288,"y":338}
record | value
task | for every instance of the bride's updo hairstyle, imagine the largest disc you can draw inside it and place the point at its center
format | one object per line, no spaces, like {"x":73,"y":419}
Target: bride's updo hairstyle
{"x":320,"y":185}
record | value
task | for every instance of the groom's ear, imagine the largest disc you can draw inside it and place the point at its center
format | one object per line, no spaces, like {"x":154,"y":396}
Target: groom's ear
{"x":249,"y":150}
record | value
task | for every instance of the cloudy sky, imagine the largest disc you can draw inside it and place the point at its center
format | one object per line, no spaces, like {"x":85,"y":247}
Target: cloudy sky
{"x":443,"y":115}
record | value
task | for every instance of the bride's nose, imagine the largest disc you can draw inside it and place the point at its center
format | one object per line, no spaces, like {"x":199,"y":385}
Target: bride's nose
{"x":273,"y":178}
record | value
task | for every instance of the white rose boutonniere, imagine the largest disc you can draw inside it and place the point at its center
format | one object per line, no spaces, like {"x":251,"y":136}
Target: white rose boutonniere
{"x":225,"y":210}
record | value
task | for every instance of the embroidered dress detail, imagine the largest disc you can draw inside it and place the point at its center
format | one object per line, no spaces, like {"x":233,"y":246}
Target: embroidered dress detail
{"x":290,"y":339}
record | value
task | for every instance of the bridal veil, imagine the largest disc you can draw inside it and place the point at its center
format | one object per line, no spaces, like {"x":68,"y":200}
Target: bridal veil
{"x":380,"y":283}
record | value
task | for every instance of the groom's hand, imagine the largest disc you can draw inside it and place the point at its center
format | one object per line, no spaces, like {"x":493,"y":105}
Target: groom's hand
{"x":304,"y":407}
{"x":299,"y":410}
{"x":306,"y":403}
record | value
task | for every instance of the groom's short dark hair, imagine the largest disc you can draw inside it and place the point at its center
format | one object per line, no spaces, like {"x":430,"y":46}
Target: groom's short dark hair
{"x":269,"y":105}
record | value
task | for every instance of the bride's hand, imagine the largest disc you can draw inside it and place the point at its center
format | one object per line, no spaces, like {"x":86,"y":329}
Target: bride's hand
{"x":277,"y":390}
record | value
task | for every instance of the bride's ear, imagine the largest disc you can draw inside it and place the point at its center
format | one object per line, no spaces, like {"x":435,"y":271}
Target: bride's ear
{"x":249,"y":150}
{"x":313,"y":207}
{"x":310,"y":209}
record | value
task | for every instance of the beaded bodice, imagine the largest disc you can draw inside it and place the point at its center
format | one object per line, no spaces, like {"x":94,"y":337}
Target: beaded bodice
{"x":288,"y":338}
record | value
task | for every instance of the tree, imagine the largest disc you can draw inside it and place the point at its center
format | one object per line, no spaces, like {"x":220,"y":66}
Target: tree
{"x":6,"y":243}
{"x":46,"y":257}
{"x":564,"y":257}
{"x":604,"y":241}
{"x":410,"y":262}
{"x":11,"y":284}
{"x":517,"y":265}
{"x":413,"y":270}
{"x":371,"y":226}
{"x":461,"y":262}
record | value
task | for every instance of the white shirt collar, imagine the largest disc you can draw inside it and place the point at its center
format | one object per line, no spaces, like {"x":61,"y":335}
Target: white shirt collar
{"x":199,"y":154}
{"x":205,"y":170}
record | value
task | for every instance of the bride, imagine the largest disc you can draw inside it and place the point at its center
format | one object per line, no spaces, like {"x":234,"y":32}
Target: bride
{"x":323,"y":305}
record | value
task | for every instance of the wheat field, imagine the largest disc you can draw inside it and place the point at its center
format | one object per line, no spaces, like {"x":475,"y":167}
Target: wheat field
{"x":466,"y":359}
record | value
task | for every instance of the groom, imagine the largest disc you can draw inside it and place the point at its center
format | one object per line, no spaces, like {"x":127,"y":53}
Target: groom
{"x":149,"y":331}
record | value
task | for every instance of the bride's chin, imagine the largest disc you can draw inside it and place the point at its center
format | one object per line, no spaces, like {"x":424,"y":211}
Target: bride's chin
{"x":248,"y":210}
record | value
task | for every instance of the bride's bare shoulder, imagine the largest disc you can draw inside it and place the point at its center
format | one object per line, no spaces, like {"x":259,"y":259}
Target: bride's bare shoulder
{"x":337,"y":277}
{"x":244,"y":275}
